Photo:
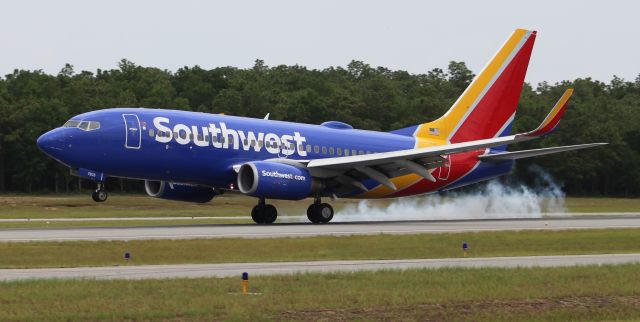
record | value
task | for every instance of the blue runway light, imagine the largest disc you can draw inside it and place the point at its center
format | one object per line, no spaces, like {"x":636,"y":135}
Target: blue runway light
{"x":127,"y":256}
{"x":465,"y":246}
{"x":245,"y":283}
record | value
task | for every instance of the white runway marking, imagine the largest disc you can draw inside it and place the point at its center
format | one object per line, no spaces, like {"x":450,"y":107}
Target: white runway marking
{"x":282,"y":268}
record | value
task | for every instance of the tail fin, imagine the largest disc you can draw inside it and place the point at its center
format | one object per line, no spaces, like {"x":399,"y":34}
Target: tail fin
{"x":487,"y":107}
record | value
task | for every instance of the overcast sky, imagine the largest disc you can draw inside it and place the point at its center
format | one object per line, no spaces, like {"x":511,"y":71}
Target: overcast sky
{"x":575,"y":38}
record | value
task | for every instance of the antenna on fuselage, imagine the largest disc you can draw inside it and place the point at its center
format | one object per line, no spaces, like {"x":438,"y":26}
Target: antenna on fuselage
{"x":266,"y":117}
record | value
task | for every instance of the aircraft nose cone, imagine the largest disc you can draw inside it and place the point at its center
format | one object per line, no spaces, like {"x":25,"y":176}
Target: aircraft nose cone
{"x":52,"y":142}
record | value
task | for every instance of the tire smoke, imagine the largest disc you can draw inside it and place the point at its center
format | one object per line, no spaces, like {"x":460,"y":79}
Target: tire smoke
{"x":489,"y":201}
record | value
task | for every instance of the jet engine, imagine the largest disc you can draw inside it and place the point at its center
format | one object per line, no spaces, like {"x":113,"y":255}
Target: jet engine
{"x":275,"y":180}
{"x":179,"y":191}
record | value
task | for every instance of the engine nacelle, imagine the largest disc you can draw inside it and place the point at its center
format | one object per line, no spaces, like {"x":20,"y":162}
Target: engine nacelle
{"x":178,"y":191}
{"x":274,"y":180}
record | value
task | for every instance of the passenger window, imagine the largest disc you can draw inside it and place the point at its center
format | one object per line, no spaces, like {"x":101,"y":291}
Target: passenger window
{"x":339,"y":151}
{"x":222,"y":139}
{"x":316,"y":149}
{"x":206,"y":138}
{"x":346,"y":152}
{"x":368,"y":152}
{"x":246,"y":142}
{"x":354,"y":152}
{"x":361,"y":152}
{"x":152,"y":133}
{"x":253,"y":142}
{"x":324,"y":150}
{"x":308,"y":148}
{"x":331,"y":150}
{"x":260,"y":143}
{"x":214,"y":139}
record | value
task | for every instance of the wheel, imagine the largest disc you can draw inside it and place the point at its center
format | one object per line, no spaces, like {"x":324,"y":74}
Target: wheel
{"x":257,"y":214}
{"x":270,"y":213}
{"x":312,"y":213}
{"x":99,"y":196}
{"x":325,"y":212}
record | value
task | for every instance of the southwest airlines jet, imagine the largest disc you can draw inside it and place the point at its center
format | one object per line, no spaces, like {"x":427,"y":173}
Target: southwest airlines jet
{"x":191,"y":156}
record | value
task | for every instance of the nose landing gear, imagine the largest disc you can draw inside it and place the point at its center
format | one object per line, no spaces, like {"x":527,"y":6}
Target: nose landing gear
{"x":100,"y":195}
{"x":263,"y":213}
{"x":320,"y":213}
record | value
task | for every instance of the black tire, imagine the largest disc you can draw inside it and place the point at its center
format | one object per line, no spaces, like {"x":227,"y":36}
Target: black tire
{"x":257,"y":214}
{"x":312,"y":213}
{"x":99,"y":196}
{"x":325,"y":213}
{"x":269,"y":215}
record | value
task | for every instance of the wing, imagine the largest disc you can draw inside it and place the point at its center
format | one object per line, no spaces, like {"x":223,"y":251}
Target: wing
{"x":381,"y":167}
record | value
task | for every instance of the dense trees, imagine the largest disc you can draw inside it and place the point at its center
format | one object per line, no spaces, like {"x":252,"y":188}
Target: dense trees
{"x":32,"y":102}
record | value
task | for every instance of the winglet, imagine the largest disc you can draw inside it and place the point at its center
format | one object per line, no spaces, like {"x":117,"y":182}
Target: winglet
{"x":552,"y":120}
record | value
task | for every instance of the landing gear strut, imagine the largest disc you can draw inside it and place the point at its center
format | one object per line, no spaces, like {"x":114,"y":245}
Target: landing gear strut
{"x":263,"y":213}
{"x":100,"y":195}
{"x":320,"y":212}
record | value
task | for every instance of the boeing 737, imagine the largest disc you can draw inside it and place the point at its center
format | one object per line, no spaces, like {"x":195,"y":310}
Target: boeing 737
{"x":192,"y":156}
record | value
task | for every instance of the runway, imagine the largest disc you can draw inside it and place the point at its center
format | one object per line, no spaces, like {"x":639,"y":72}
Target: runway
{"x":281,"y":268}
{"x":306,"y":230}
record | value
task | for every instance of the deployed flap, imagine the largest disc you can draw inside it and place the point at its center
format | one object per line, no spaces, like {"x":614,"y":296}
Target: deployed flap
{"x":536,"y":152}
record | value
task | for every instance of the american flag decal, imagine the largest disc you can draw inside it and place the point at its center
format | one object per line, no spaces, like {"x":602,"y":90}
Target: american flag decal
{"x":434,"y":131}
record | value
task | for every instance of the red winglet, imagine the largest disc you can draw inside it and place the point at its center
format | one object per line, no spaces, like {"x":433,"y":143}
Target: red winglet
{"x":552,"y":120}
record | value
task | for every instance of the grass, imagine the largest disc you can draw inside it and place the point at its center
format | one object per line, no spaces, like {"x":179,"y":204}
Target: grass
{"x":488,"y":294}
{"x":81,"y":206}
{"x":590,"y":205}
{"x":238,"y":250}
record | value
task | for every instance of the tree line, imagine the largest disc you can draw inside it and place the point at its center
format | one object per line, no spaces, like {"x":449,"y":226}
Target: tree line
{"x":376,"y":98}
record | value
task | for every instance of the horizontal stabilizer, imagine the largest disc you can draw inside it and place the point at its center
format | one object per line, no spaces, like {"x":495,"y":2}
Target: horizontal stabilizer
{"x":536,"y":152}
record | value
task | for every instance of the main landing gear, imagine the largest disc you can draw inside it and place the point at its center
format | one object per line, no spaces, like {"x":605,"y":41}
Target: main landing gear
{"x":263,"y":213}
{"x":100,"y":195}
{"x":320,"y":213}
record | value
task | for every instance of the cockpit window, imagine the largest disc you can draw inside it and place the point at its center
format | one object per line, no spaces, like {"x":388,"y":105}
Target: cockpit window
{"x":83,"y":125}
{"x":93,"y":125}
{"x":71,"y":123}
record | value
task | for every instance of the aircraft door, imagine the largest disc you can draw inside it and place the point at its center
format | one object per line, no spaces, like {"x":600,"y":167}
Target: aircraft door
{"x":133,"y":136}
{"x":445,"y":169}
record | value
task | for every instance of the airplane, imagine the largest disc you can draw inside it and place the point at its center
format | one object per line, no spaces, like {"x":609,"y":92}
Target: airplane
{"x":191,"y":156}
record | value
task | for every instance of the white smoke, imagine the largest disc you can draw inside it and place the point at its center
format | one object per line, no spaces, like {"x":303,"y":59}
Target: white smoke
{"x":492,"y":200}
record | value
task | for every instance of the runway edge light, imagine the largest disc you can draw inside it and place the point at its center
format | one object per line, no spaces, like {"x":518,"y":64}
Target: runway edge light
{"x":465,"y":248}
{"x":245,"y":283}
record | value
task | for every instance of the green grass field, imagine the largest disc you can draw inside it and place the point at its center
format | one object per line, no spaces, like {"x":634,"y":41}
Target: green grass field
{"x":238,"y":250}
{"x":81,"y":206}
{"x":532,"y":294}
